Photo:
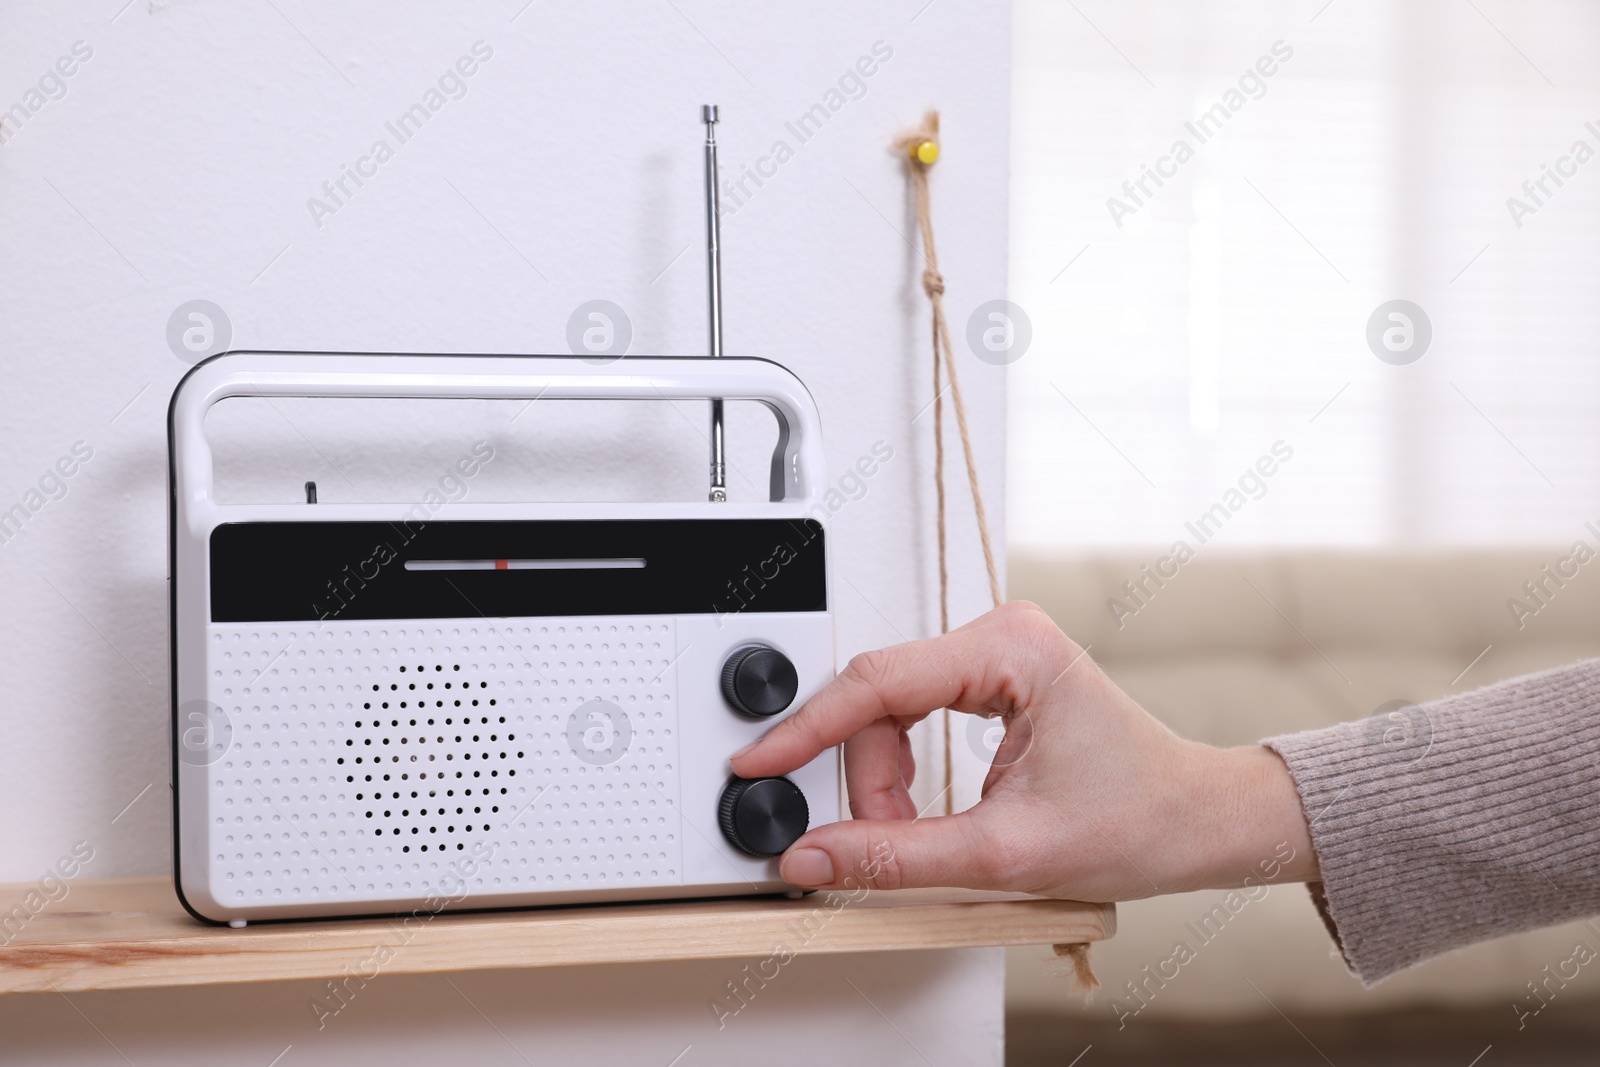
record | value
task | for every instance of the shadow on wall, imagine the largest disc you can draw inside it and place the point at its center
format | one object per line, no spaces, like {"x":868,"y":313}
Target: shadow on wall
{"x":122,"y":623}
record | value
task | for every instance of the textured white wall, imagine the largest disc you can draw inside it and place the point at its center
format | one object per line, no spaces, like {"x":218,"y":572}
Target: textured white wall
{"x":175,"y":163}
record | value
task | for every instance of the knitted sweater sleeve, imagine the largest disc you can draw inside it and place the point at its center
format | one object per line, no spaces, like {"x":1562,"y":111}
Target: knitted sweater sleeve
{"x":1441,"y":824}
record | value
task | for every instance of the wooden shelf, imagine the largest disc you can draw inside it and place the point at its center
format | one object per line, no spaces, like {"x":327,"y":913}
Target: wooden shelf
{"x":132,"y":933}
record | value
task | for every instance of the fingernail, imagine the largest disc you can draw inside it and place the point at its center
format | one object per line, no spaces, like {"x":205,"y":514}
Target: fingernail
{"x":807,"y":867}
{"x":745,"y":749}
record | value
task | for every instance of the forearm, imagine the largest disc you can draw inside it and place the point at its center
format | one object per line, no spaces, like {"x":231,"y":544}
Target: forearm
{"x":1455,"y":821}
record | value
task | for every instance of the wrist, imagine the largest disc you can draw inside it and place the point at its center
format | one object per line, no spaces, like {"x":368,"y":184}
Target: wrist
{"x":1253,"y":820}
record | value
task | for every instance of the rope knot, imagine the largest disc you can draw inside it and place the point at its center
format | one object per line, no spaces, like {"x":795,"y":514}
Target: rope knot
{"x":932,"y":283}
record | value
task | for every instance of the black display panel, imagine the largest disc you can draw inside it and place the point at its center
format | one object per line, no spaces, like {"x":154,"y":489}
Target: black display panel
{"x":345,"y":571}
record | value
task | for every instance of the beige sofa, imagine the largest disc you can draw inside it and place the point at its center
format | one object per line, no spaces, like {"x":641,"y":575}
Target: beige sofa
{"x":1233,"y":648}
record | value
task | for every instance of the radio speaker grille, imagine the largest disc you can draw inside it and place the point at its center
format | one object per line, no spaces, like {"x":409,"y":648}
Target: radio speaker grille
{"x":370,"y":761}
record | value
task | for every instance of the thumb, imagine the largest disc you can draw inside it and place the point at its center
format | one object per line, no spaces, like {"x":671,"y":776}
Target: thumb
{"x":893,"y":854}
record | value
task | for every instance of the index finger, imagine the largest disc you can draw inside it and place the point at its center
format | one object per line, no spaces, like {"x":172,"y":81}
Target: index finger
{"x":966,"y":669}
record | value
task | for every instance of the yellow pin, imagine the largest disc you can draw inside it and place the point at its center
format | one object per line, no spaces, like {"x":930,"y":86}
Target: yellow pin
{"x":925,"y":152}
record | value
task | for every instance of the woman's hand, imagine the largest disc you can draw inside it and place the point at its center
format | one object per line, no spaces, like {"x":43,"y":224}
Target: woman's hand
{"x":1089,"y":797}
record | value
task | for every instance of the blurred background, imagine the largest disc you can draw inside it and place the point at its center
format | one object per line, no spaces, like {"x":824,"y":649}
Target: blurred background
{"x":1357,"y":239}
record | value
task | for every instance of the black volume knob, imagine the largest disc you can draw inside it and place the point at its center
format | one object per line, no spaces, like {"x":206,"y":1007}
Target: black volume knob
{"x":760,"y":681}
{"x":763,"y":816}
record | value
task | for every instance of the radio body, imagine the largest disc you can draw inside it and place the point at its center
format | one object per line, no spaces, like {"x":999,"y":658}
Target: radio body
{"x":511,"y":704}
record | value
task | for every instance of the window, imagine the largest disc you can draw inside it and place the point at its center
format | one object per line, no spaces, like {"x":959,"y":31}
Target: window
{"x":1184,"y":324}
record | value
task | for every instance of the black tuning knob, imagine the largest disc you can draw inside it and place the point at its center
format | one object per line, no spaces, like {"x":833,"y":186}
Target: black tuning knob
{"x":763,"y":816}
{"x":759,"y":681}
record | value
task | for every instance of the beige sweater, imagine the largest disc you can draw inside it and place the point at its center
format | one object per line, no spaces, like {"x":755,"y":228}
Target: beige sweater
{"x":1455,"y":821}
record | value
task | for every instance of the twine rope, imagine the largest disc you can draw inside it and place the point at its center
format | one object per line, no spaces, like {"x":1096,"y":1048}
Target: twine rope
{"x":911,"y":144}
{"x":914,"y":146}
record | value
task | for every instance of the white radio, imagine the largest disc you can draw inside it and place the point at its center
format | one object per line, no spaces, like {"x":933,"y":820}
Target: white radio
{"x":534,"y":703}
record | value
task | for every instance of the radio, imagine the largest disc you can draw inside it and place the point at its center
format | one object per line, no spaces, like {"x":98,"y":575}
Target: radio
{"x":538,"y":700}
{"x":514,"y":704}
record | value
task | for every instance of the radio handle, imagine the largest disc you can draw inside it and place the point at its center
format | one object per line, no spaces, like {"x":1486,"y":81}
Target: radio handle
{"x":797,"y":461}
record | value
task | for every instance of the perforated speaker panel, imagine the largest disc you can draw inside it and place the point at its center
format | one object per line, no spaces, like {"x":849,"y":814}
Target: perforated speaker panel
{"x":368,"y":762}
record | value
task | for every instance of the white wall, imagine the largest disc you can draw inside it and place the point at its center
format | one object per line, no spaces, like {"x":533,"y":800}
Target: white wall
{"x":177,"y":165}
{"x":944,"y":1006}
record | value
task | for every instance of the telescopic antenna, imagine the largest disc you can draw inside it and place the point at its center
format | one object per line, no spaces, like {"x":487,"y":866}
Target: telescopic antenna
{"x":719,"y":477}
